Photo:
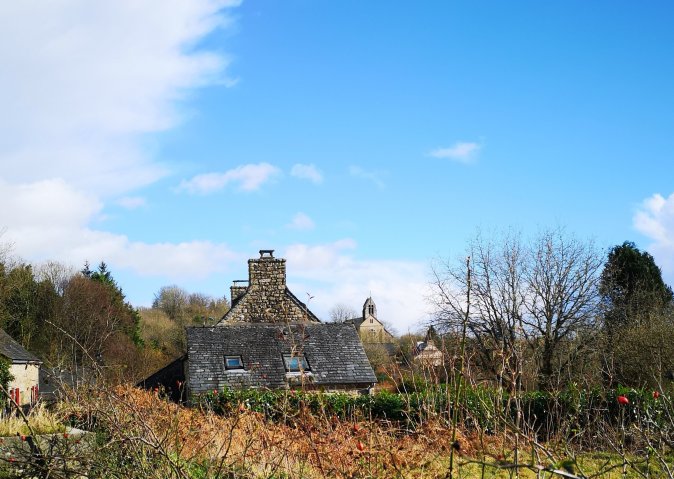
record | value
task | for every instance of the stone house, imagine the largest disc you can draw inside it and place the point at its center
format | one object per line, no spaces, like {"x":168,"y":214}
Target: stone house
{"x":268,"y":339}
{"x":24,"y":367}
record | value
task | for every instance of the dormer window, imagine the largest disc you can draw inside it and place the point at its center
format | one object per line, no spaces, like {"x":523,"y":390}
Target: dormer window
{"x":295,"y":363}
{"x":233,"y":362}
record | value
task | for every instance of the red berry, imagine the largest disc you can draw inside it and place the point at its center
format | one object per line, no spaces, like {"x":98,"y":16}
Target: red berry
{"x":656,"y":394}
{"x":23,"y":437}
{"x":360,"y":446}
{"x":623,"y":400}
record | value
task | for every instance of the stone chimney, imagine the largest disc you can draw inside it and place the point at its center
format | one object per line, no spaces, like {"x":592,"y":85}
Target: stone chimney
{"x":267,"y":273}
{"x":265,"y":298}
{"x":238,"y":289}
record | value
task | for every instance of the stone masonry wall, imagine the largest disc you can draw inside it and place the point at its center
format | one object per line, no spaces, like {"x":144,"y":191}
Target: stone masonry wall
{"x":236,"y":292}
{"x":266,"y":299}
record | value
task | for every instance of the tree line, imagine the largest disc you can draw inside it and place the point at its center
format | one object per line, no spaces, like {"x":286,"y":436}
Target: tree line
{"x":81,"y":321}
{"x":552,"y":310}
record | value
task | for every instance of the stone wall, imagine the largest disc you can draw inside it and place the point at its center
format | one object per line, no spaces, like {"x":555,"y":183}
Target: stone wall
{"x":237,"y":290}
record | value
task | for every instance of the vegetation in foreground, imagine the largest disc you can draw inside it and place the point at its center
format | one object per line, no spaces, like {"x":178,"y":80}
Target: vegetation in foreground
{"x":140,"y":434}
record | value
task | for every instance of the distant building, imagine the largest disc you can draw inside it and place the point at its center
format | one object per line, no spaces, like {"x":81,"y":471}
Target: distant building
{"x":268,"y":339}
{"x":24,"y":367}
{"x":426,"y":353}
{"x":370,"y":329}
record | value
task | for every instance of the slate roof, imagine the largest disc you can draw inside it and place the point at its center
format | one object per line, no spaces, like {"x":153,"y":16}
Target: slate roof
{"x":334,"y":354}
{"x":171,"y":378}
{"x":13,"y":351}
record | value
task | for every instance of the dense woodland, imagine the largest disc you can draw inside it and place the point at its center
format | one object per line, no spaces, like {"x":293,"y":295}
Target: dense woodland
{"x":80,"y":320}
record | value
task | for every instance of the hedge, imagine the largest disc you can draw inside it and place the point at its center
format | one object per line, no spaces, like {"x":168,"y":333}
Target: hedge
{"x":573,"y":410}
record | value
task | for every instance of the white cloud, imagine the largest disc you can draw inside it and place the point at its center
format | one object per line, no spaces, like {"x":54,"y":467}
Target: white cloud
{"x":249,"y":178}
{"x":655,"y":220}
{"x":461,"y":152}
{"x":332,"y":275}
{"x":373,"y":176}
{"x":89,"y":79}
{"x":46,"y":204}
{"x":131,"y":202}
{"x":192,"y":259}
{"x":301,"y":222}
{"x":307,"y":172}
{"x":48,"y":219}
{"x":84,"y":84}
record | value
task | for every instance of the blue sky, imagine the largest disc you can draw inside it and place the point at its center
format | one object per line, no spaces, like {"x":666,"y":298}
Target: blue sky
{"x":360,"y":140}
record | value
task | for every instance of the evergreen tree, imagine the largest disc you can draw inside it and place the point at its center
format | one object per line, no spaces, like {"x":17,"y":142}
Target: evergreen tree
{"x":631,"y":287}
{"x":130,"y":320}
{"x":638,"y":318}
{"x":86,"y":271}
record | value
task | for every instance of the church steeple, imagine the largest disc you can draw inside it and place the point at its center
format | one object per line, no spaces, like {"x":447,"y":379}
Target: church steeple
{"x":369,"y":311}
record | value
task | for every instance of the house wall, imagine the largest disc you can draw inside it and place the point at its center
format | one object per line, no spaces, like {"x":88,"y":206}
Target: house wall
{"x":25,"y":377}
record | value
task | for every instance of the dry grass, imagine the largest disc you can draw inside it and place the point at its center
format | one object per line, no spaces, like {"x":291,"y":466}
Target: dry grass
{"x":40,"y":419}
{"x":168,"y":440}
{"x":301,"y":446}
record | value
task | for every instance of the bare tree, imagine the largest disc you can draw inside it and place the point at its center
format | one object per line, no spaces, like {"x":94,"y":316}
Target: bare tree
{"x":5,"y":247}
{"x":497,"y":301}
{"x":542,"y":292}
{"x":342,"y":312}
{"x":58,"y":274}
{"x":173,"y":300}
{"x":562,"y":299}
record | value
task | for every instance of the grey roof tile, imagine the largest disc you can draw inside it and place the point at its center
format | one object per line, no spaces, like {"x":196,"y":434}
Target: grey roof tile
{"x":334,"y":352}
